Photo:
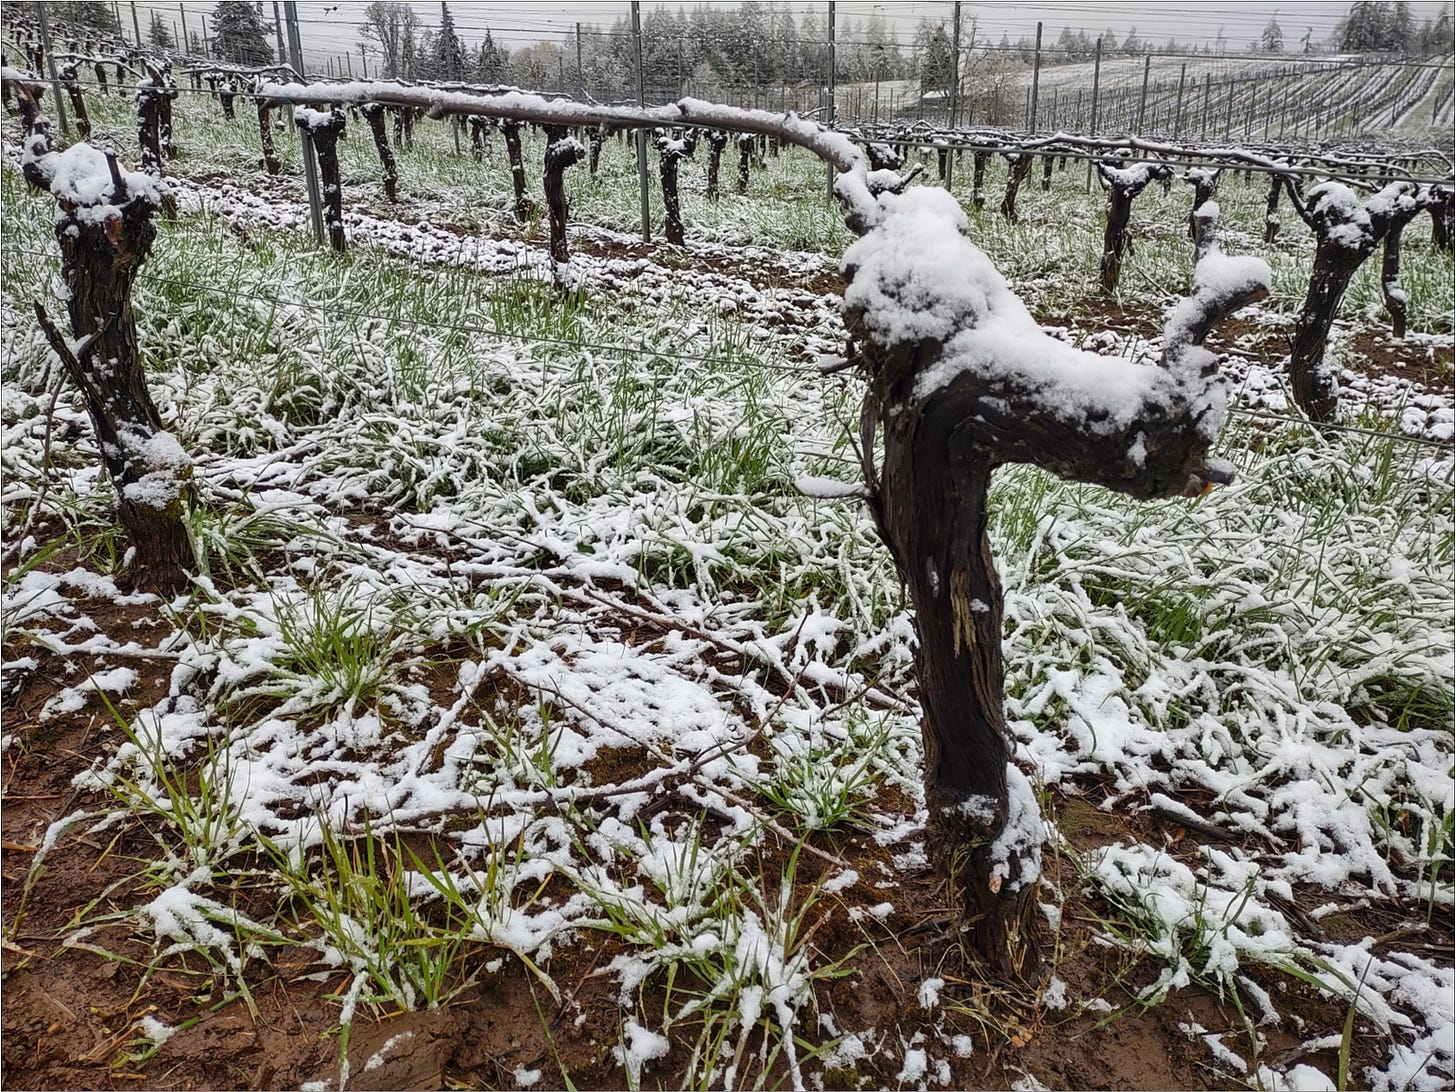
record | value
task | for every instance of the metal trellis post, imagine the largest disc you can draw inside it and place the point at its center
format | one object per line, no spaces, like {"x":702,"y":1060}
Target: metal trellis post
{"x":1178,"y":111}
{"x":829,"y":188}
{"x":1096,"y":82}
{"x":1143,"y":100}
{"x":1035,"y":81}
{"x":278,"y":31}
{"x":310,"y":167}
{"x":641,"y":133}
{"x":45,"y":43}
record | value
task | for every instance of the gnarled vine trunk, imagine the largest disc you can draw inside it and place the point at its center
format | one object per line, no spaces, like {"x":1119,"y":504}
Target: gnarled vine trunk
{"x":149,"y":125}
{"x":512,"y":131}
{"x":271,"y":163}
{"x":105,"y":232}
{"x":960,"y":383}
{"x":1441,"y":205}
{"x":67,"y":75}
{"x":1018,"y":168}
{"x":671,"y":151}
{"x":561,"y":152}
{"x":978,"y":178}
{"x":325,"y":129}
{"x":595,"y":138}
{"x":1123,"y":184}
{"x":717,"y":141}
{"x":1346,"y":233}
{"x":1205,"y":185}
{"x":1271,"y":208}
{"x":374,"y":117}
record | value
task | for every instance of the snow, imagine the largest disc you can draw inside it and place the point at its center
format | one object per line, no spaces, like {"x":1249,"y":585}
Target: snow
{"x":928,"y":993}
{"x":1093,"y":692}
{"x":914,"y":1067}
{"x":376,"y":1059}
{"x":155,"y":1030}
{"x":1020,"y":840}
{"x":1342,"y":220}
{"x":813,"y":485}
{"x":639,"y":1046}
{"x":81,"y":177}
{"x":903,"y":287}
{"x":313,"y":120}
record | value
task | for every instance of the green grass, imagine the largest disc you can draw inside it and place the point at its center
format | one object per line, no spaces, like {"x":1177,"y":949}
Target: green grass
{"x":539,"y":468}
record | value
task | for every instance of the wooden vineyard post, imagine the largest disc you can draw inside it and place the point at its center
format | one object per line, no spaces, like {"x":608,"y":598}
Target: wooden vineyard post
{"x":374,"y":117}
{"x":1018,"y":167}
{"x":960,"y":381}
{"x":1047,"y":164}
{"x":671,"y":151}
{"x":105,"y":232}
{"x":265,"y":133}
{"x":717,"y":141}
{"x":1122,"y":184}
{"x":512,"y":131}
{"x":1397,"y":302}
{"x":1205,"y":184}
{"x":325,"y":129}
{"x":562,"y":151}
{"x":1346,"y":233}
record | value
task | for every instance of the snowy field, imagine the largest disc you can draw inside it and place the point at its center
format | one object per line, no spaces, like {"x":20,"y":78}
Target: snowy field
{"x":526,"y":637}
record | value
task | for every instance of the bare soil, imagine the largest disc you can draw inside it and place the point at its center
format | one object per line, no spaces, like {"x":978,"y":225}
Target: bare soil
{"x":80,"y":977}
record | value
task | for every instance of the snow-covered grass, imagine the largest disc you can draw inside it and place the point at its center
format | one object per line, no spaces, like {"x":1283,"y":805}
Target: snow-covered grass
{"x":525,"y":572}
{"x":1051,"y":255}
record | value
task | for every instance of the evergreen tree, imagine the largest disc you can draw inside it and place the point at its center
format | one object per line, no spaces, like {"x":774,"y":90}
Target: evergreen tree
{"x":84,"y":14}
{"x":1272,"y":39}
{"x":157,"y":32}
{"x":933,"y":47}
{"x":491,"y":60}
{"x":1401,"y":28}
{"x":1436,"y":37}
{"x":447,"y":52}
{"x":237,"y":33}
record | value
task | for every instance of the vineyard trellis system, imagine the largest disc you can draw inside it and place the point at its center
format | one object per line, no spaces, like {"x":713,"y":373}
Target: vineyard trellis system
{"x":958,"y":383}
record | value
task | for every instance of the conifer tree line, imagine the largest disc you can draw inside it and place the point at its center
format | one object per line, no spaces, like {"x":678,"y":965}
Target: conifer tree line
{"x":717,"y":50}
{"x":722,"y":51}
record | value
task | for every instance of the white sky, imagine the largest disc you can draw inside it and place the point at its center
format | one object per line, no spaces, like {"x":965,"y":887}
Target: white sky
{"x":331,"y":29}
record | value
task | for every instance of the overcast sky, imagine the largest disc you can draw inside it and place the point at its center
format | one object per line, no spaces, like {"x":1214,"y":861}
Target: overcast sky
{"x":331,"y":29}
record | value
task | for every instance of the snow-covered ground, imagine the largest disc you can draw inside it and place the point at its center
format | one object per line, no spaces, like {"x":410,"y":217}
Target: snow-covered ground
{"x":480,"y":544}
